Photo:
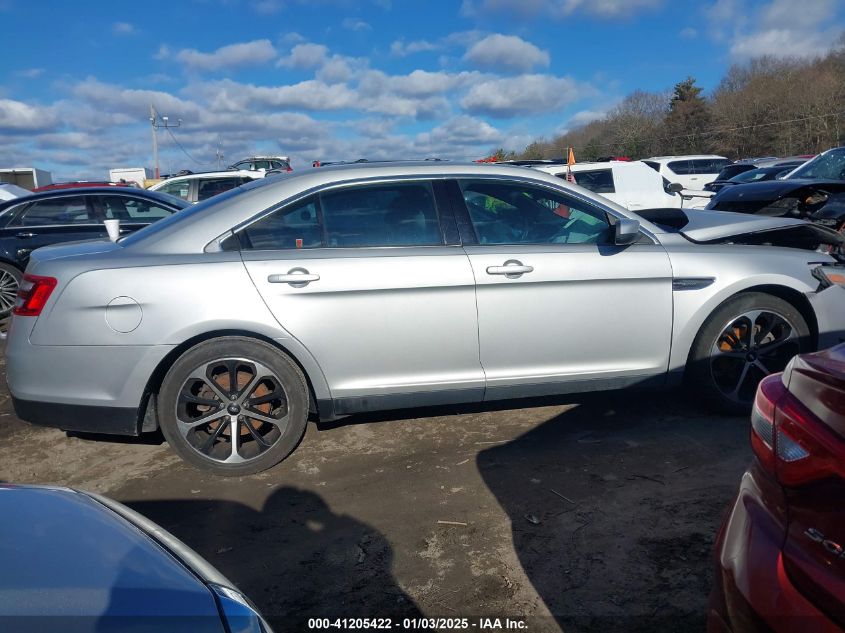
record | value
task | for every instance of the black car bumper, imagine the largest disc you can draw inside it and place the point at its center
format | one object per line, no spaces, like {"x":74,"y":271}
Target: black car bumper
{"x":79,"y":418}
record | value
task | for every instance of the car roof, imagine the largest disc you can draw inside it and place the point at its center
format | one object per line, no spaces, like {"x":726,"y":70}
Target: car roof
{"x":91,"y":191}
{"x":206,"y":174}
{"x":685,"y":157}
{"x":589,"y":165}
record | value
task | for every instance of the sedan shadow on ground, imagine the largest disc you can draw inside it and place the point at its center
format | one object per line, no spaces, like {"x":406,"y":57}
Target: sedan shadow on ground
{"x":614,"y":506}
{"x":294,"y":558}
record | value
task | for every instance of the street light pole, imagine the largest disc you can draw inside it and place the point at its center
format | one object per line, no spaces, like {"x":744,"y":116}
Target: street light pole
{"x":165,"y":123}
{"x":155,"y":140}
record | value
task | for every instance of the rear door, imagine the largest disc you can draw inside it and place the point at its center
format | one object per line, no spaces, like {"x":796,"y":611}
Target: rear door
{"x":50,"y":221}
{"x":560,"y":307}
{"x":372,"y":280}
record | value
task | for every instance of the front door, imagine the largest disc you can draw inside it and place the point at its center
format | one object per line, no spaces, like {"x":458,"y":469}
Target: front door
{"x":363,"y":277}
{"x":560,"y":307}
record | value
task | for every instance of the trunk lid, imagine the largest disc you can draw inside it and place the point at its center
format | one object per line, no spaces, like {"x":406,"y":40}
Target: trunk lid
{"x":814,"y":550}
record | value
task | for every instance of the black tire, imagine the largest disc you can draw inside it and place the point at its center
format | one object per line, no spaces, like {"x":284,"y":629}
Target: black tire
{"x":185,"y":400}
{"x":10,"y":278}
{"x":721,"y":351}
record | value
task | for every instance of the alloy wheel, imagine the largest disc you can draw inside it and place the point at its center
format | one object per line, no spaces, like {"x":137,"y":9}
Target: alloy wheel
{"x":751,"y":346}
{"x":8,"y":294}
{"x":232,"y":410}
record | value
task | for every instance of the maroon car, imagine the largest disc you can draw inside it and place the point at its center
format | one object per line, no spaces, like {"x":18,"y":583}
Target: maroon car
{"x":781,"y":552}
{"x":78,"y":184}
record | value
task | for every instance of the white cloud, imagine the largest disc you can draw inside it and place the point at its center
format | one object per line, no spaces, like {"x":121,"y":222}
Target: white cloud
{"x":356,"y":24}
{"x":778,"y":27}
{"x":266,"y":7}
{"x":400,"y":48}
{"x":30,"y":73}
{"x":507,"y":52}
{"x":463,"y":130}
{"x":303,"y":56}
{"x":233,"y":55}
{"x":17,"y":116}
{"x":558,"y":9}
{"x":688,"y":33}
{"x":122,"y":28}
{"x":523,"y":95}
{"x":583,"y":117}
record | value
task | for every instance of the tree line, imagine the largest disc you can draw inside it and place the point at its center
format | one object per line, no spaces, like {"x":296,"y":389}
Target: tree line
{"x":766,"y":107}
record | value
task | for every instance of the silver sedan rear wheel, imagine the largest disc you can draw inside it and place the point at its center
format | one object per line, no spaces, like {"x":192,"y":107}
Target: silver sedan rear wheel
{"x":233,"y":405}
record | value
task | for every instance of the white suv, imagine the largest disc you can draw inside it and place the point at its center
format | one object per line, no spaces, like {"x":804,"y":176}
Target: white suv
{"x":199,"y":187}
{"x":631,"y":184}
{"x":692,"y":172}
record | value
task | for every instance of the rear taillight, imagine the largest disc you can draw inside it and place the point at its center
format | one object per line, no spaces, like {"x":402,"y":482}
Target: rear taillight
{"x":789,"y":440}
{"x":33,"y":293}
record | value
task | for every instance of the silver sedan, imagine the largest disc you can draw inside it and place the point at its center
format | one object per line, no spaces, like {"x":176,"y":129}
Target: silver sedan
{"x":358,"y":288}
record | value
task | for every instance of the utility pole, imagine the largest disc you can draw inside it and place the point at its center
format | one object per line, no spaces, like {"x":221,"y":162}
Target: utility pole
{"x":219,"y":154}
{"x":165,"y":123}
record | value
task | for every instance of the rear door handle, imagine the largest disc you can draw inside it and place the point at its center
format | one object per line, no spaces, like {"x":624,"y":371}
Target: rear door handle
{"x":512,"y":268}
{"x":296,"y":277}
{"x":26,"y":234}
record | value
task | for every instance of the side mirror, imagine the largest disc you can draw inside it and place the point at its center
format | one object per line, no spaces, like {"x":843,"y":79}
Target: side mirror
{"x":676,"y":187}
{"x":626,"y":232}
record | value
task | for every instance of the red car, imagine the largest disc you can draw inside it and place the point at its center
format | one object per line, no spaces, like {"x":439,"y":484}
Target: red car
{"x":781,"y":551}
{"x":81,"y":184}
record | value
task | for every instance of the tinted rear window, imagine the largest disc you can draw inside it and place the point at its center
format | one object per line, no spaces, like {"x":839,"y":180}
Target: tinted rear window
{"x":597,"y":181}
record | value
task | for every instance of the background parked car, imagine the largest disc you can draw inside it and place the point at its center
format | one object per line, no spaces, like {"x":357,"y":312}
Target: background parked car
{"x":692,"y":172}
{"x":631,"y":184}
{"x":736,"y":172}
{"x":81,"y":184}
{"x":76,"y":561}
{"x":781,"y":550}
{"x":814,"y":191}
{"x":67,"y":215}
{"x":263,"y":163}
{"x":202,"y":186}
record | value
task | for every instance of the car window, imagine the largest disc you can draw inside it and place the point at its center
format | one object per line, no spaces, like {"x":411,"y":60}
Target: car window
{"x":511,"y":213}
{"x":653,"y":165}
{"x":707,"y":165}
{"x":261,"y":164}
{"x":179,"y":188}
{"x":63,"y":210}
{"x":132,"y":209}
{"x":209,"y":187}
{"x":680,"y":167}
{"x":396,"y":214}
{"x":294,"y":226}
{"x":598,"y":181}
{"x":827,"y":166}
{"x":244,"y":164}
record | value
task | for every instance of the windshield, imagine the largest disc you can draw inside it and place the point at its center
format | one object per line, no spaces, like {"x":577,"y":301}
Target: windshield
{"x":827,"y":166}
{"x":763,"y":173}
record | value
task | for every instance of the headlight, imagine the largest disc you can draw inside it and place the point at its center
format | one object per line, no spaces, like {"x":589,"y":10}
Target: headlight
{"x":830,"y":275}
{"x":238,"y":612}
{"x":784,"y":206}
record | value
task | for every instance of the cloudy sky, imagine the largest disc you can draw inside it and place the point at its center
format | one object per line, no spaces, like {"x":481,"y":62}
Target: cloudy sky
{"x":339,"y":79}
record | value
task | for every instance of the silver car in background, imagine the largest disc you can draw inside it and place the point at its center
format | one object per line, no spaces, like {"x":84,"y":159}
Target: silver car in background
{"x":368,"y":287}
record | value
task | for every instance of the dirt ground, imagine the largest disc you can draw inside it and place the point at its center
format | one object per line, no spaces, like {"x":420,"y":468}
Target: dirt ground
{"x":595,"y":515}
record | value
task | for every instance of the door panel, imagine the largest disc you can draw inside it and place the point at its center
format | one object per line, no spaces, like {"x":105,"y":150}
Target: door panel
{"x":379,"y":321}
{"x":574,"y":308}
{"x":362,"y":277}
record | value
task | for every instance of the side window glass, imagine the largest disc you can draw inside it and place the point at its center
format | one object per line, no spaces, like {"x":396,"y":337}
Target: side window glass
{"x":132,"y":209}
{"x":209,"y":187}
{"x":180,"y":189}
{"x":293,"y":226}
{"x":681,"y":167}
{"x":598,"y":181}
{"x":400,"y":214}
{"x":509,"y":213}
{"x":55,"y":211}
{"x":262,"y":164}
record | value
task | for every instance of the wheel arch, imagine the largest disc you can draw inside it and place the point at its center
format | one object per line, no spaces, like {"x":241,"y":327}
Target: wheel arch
{"x":319,"y":395}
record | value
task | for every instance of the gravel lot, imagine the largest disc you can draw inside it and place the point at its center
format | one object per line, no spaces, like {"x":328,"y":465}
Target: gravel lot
{"x":598,"y":514}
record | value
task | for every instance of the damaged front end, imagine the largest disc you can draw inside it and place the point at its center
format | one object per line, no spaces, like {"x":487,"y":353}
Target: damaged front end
{"x":810,"y":237}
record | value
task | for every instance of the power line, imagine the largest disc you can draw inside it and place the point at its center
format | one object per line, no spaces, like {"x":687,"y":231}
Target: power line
{"x":184,"y":151}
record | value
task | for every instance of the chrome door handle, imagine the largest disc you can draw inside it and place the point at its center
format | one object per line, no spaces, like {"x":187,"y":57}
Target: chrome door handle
{"x":296,"y":277}
{"x":512,"y":268}
{"x":26,"y":234}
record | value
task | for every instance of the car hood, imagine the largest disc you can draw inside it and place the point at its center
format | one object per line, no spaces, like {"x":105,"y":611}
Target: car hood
{"x":770,"y":189}
{"x":707,"y":226}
